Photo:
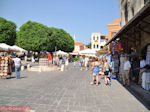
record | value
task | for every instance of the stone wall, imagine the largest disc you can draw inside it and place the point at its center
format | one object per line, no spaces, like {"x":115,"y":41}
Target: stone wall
{"x":128,"y":9}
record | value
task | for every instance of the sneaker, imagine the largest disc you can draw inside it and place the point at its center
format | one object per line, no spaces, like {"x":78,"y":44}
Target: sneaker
{"x":91,"y":83}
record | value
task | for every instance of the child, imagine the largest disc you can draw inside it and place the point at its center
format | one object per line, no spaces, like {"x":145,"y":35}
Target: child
{"x":74,"y":64}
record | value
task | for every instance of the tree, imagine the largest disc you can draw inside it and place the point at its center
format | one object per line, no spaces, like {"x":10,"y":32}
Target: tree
{"x":37,"y":37}
{"x":88,"y":45}
{"x":61,"y":40}
{"x":32,"y":36}
{"x":7,"y":31}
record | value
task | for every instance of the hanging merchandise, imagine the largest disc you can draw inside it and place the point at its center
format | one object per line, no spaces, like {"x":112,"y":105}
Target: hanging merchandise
{"x":119,"y":46}
{"x":148,"y":55}
{"x":146,"y":80}
{"x":113,"y":47}
{"x":121,"y":71}
{"x":108,"y":58}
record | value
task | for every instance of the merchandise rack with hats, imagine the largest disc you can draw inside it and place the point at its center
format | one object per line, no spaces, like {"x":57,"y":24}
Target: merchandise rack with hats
{"x":5,"y":67}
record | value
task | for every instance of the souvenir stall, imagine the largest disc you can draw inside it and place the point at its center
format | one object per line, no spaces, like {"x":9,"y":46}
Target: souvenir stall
{"x":5,"y":66}
{"x":146,"y":74}
{"x":6,"y":63}
{"x":115,"y":59}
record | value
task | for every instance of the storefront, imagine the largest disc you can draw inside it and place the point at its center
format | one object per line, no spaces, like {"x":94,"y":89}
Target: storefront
{"x":133,"y":40}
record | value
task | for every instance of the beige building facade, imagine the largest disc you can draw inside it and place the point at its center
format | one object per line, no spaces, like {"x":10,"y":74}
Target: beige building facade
{"x":97,"y":41}
{"x":78,"y":46}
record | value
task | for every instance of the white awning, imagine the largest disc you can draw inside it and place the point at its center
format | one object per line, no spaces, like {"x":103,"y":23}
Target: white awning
{"x":19,"y":49}
{"x":60,"y":53}
{"x":87,"y":51}
{"x":5,"y":47}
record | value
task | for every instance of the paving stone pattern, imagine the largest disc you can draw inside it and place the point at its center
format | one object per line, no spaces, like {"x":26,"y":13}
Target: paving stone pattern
{"x":67,"y":91}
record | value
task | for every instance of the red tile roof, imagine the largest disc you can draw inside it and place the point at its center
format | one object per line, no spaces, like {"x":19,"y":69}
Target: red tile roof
{"x":79,"y":44}
{"x":116,"y":21}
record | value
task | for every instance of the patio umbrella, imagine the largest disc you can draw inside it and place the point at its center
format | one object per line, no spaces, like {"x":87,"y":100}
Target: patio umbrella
{"x":19,"y":49}
{"x":74,"y":53}
{"x":60,"y":53}
{"x":5,"y":47}
{"x":87,"y":52}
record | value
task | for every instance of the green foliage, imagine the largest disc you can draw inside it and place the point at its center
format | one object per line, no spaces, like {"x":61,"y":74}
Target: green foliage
{"x":32,"y":36}
{"x":76,"y":59}
{"x":61,"y":40}
{"x":37,"y":37}
{"x":88,"y":45}
{"x":7,"y":31}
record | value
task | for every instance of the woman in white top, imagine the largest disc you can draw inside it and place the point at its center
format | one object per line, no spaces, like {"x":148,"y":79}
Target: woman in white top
{"x":17,"y":62}
{"x":66,"y":62}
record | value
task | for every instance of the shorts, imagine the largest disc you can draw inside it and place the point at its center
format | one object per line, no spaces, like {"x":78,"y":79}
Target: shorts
{"x":106,"y":72}
{"x":50,"y":61}
{"x":86,"y":64}
{"x":126,"y":74}
{"x":81,"y":64}
{"x":95,"y":74}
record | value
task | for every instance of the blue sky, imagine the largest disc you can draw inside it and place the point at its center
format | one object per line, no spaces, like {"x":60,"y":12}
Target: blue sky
{"x":81,"y":17}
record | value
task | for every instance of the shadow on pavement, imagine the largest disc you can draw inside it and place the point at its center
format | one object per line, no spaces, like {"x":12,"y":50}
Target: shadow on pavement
{"x":13,"y":77}
{"x":137,"y":96}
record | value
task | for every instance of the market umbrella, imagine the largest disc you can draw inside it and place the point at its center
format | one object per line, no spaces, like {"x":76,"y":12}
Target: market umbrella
{"x":90,"y":55}
{"x":87,"y":52}
{"x":74,"y":53}
{"x":60,"y":53}
{"x":19,"y":49}
{"x":5,"y":47}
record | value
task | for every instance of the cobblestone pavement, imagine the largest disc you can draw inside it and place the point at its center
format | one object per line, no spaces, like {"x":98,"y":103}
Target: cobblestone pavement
{"x":67,"y":91}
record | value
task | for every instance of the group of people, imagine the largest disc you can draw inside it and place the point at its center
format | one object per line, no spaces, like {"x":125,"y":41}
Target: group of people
{"x":60,"y":61}
{"x":8,"y":64}
{"x":100,"y":66}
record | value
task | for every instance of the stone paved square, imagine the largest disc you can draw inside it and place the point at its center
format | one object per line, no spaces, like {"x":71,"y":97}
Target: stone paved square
{"x":68,"y":91}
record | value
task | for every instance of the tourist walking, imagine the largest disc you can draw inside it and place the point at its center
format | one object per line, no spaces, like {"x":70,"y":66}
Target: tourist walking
{"x":17,"y":62}
{"x":33,"y":60}
{"x":106,"y":72}
{"x":86,"y":63}
{"x":66,"y":63}
{"x":74,"y":64}
{"x":142,"y":69}
{"x":25,"y":58}
{"x":57,"y":60}
{"x":81,"y":62}
{"x":54,"y":60}
{"x":62,"y":63}
{"x":49,"y":59}
{"x":95,"y":71}
{"x":126,"y":68}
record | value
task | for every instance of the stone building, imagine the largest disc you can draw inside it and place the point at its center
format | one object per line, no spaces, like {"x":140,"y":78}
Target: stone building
{"x":113,"y":28}
{"x":97,"y":41}
{"x":135,"y":25}
{"x":129,"y":8}
{"x":78,"y":46}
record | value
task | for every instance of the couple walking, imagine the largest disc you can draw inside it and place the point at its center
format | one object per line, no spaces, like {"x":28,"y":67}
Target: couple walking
{"x":95,"y":66}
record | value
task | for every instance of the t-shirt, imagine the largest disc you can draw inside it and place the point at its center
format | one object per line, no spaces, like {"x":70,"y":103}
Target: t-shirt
{"x":49,"y":57}
{"x":127,"y":65}
{"x":142,"y":63}
{"x":86,"y":60}
{"x":81,"y":60}
{"x":17,"y":61}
